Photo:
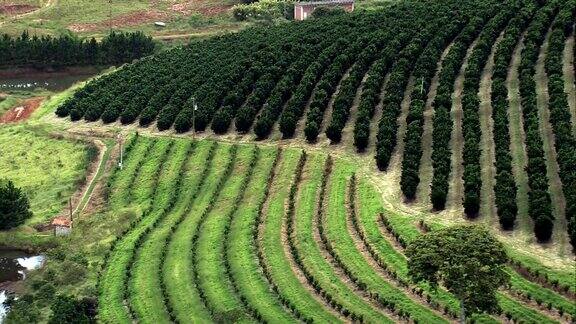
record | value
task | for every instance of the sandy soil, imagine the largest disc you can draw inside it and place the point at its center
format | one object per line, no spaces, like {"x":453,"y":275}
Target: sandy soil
{"x":517,"y":139}
{"x":487,"y":145}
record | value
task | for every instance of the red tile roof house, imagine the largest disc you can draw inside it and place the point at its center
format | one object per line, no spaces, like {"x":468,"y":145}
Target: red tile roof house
{"x":303,"y":9}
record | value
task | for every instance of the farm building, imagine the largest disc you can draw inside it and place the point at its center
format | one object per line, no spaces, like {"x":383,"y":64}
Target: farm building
{"x":304,"y":9}
{"x":62,"y":225}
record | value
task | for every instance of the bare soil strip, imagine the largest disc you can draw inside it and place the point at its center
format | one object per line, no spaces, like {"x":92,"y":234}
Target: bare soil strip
{"x":391,"y":178}
{"x":371,"y":149}
{"x":328,"y":111}
{"x":348,"y":130}
{"x":569,"y":78}
{"x":547,"y":133}
{"x":517,"y":139}
{"x":423,"y":191}
{"x":456,"y":184}
{"x":487,"y":145}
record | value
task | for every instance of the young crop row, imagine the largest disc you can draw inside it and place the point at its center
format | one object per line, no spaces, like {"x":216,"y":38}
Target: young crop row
{"x":332,"y":226}
{"x":313,"y":280}
{"x":402,"y":229}
{"x":388,"y":259}
{"x":199,"y":255}
{"x":144,"y":289}
{"x":115,"y":273}
{"x":242,"y":256}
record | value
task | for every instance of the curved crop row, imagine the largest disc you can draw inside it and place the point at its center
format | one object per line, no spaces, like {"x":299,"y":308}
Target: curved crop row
{"x":505,"y":187}
{"x":539,"y":201}
{"x":565,"y":142}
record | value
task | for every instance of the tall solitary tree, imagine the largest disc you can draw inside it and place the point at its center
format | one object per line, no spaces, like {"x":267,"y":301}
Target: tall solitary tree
{"x":467,"y":260}
{"x":14,"y":206}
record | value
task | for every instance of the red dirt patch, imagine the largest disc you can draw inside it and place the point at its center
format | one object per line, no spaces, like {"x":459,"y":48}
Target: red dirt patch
{"x":14,"y":9}
{"x":206,"y":9}
{"x":131,"y":19}
{"x":21,"y":112}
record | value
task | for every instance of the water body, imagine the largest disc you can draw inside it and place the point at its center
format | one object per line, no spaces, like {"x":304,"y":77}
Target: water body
{"x":14,"y":265}
{"x":55,"y":81}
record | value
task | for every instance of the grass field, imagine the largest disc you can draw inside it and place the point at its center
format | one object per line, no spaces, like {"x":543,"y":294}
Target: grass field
{"x":27,"y":157}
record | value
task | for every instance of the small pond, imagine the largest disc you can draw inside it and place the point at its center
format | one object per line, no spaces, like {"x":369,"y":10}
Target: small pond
{"x":53,"y":81}
{"x":14,"y":265}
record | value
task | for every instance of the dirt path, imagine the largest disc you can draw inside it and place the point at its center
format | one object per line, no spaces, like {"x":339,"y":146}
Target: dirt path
{"x":546,"y":131}
{"x":456,"y":184}
{"x":487,"y":153}
{"x":371,"y":148}
{"x":328,"y":111}
{"x":425,"y":171}
{"x":517,"y":139}
{"x":391,"y":178}
{"x":348,"y":130}
{"x":569,"y":78}
{"x":103,"y":155}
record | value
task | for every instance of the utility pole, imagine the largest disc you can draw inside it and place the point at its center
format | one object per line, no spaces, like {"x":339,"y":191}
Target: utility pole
{"x":110,"y":15}
{"x":194,"y":108}
{"x":71,"y":212}
{"x":422,"y":86}
{"x":120,"y":163}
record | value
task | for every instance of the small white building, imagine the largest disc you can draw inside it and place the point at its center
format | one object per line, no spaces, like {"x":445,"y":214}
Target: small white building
{"x":62,"y":226}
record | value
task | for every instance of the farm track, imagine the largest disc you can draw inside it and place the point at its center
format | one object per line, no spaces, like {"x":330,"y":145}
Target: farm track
{"x":348,"y":130}
{"x":488,"y":155}
{"x":518,"y":138}
{"x":371,"y":149}
{"x":328,"y":111}
{"x":456,"y":184}
{"x":570,"y":77}
{"x":425,"y":171}
{"x":392,"y":175}
{"x":548,"y":140}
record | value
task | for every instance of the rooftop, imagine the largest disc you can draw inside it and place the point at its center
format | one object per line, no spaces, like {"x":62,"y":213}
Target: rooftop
{"x":61,"y":221}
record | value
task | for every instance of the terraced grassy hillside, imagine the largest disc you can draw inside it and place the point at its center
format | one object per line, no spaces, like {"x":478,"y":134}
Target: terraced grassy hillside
{"x":230,"y":232}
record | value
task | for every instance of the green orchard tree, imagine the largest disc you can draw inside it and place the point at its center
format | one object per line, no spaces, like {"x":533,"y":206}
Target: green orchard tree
{"x":14,"y":206}
{"x":467,"y":260}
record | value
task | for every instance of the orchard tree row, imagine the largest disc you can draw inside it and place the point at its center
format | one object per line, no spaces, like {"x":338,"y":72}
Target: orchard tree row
{"x":565,"y":142}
